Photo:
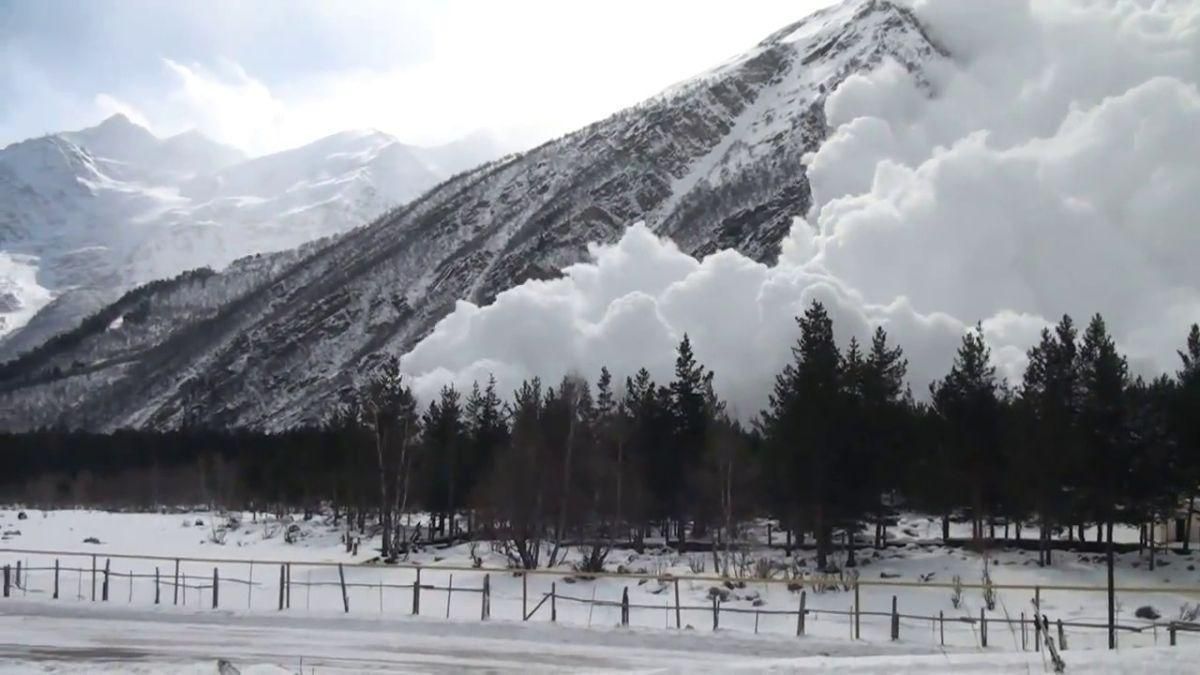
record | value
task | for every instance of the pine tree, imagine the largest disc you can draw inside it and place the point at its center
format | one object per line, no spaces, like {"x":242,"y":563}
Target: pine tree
{"x":1185,"y":426}
{"x":1049,"y":410}
{"x":968,"y":404}
{"x":487,"y":434}
{"x":1104,"y":416}
{"x":885,"y":405}
{"x":801,"y":425}
{"x":445,"y":440}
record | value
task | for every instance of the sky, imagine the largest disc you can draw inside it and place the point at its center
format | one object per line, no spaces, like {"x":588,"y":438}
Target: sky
{"x":271,"y":74}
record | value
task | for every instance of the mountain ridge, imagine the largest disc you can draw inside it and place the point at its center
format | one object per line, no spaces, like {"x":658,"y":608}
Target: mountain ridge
{"x":714,"y":163}
{"x":87,"y":214}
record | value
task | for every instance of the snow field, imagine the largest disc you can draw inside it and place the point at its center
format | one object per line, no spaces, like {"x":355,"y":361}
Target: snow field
{"x":249,"y":582}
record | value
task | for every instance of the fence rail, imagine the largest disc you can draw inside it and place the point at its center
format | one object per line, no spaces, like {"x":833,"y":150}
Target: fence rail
{"x":376,"y":587}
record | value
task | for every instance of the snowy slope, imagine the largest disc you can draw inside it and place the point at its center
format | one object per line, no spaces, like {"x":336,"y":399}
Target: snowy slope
{"x":715,"y":162}
{"x":96,"y":211}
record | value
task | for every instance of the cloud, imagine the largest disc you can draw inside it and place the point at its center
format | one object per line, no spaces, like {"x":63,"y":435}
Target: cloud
{"x":426,"y":72}
{"x":1051,"y":168}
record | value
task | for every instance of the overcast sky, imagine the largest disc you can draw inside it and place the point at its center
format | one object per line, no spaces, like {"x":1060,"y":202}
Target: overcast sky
{"x":270,"y":74}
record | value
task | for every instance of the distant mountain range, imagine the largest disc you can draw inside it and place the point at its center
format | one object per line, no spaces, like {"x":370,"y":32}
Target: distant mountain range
{"x":274,"y":342}
{"x":86,"y":215}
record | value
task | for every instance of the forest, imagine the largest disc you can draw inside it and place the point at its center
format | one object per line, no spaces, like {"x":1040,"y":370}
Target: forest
{"x":1079,"y":443}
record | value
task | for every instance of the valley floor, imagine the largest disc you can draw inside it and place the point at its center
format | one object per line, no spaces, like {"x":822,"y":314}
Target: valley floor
{"x":130,"y":633}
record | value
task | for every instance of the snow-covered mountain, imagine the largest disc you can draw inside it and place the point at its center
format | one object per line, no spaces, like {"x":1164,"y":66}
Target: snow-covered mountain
{"x":715,"y":162}
{"x":85,"y":215}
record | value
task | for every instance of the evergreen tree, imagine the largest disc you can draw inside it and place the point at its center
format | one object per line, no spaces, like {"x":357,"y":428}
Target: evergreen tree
{"x":445,"y":441}
{"x":967,"y":402}
{"x":692,"y":401}
{"x":1185,"y":425}
{"x":1104,"y":414}
{"x":801,"y":425}
{"x":885,"y":411}
{"x":1049,"y":404}
{"x":487,"y":434}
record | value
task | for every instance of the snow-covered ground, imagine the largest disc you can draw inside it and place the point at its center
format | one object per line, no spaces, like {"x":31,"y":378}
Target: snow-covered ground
{"x":380,"y":632}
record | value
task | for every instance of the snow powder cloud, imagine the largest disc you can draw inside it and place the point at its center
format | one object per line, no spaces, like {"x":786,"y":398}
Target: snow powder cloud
{"x":1053,"y":170}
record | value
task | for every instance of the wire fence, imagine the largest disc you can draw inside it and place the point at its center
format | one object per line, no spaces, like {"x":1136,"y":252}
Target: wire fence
{"x":851,"y":608}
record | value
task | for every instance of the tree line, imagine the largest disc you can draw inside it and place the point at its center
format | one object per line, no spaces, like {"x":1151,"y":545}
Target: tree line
{"x":1080,"y":442}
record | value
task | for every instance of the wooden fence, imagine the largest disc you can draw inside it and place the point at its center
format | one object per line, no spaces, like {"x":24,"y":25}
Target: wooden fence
{"x":173,"y":580}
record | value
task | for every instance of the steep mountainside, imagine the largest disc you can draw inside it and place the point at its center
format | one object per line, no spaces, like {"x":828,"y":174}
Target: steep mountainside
{"x":85,"y":215}
{"x":714,"y":162}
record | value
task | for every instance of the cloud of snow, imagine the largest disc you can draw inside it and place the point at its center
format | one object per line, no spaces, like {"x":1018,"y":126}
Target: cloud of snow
{"x":1054,"y":169}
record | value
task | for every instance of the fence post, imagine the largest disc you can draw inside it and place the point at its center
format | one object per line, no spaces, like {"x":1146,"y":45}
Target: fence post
{"x":1037,"y":622}
{"x":56,"y":578}
{"x":857,"y":613}
{"x":1023,"y":631}
{"x":345,"y":597}
{"x":250,"y":587}
{"x":176,"y":600}
{"x":416,"y":609}
{"x":131,"y":586}
{"x":486,"y":597}
{"x":216,"y":588}
{"x":18,"y":582}
{"x":942,"y":626}
{"x":982,"y":627}
{"x":156,"y":588}
{"x":1170,"y":629}
{"x":93,"y":578}
{"x":525,"y":595}
{"x":800,"y":615}
{"x":281,"y":581}
{"x":107,"y":564}
{"x":1062,"y":637}
{"x":677,"y":619}
{"x":895,"y":621}
{"x":6,"y":580}
{"x":625,"y":607}
{"x":716,"y":602}
{"x":553,"y":602}
{"x":288,"y":584}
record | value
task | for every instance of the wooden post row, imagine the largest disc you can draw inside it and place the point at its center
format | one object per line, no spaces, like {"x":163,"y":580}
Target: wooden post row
{"x":982,"y":627}
{"x":416,"y":603}
{"x":800,"y":616}
{"x":1037,"y":622}
{"x":895,"y":620}
{"x":486,"y":597}
{"x":678,"y":621}
{"x":345,"y":596}
{"x":857,"y":613}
